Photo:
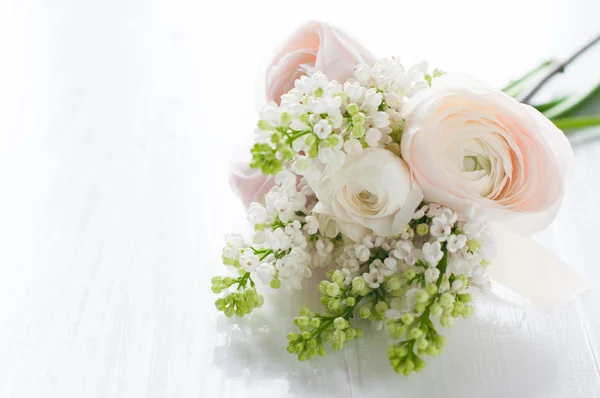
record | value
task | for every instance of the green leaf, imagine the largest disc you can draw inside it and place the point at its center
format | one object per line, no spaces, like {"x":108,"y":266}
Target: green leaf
{"x":577,"y":122}
{"x":550,"y":104}
{"x":576,"y":105}
{"x":515,"y":87}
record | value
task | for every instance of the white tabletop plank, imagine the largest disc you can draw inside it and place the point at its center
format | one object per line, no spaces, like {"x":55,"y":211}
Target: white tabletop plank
{"x":117,"y":122}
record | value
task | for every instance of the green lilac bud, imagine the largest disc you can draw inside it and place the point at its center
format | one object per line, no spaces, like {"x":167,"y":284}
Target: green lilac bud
{"x":381,"y":307}
{"x":359,"y":332}
{"x":420,"y":308}
{"x":436,"y":309}
{"x":217,"y":280}
{"x":305,"y":311}
{"x":407,"y":318}
{"x":321,"y":351}
{"x":304,"y":118}
{"x":350,"y":301}
{"x":364,"y":312}
{"x":352,"y":109}
{"x":332,"y":141}
{"x":338,"y":277}
{"x":409,"y":274}
{"x":313,"y":152}
{"x":469,"y":311}
{"x":302,"y":321}
{"x":216,"y":289}
{"x":220,"y":304}
{"x":276,"y":137}
{"x":306,"y":335}
{"x":422,"y":296}
{"x":264,"y":125}
{"x":333,"y":290}
{"x":350,"y":333}
{"x":339,"y":323}
{"x":415,"y":333}
{"x":464,"y":298}
{"x":358,"y":284}
{"x":323,"y":286}
{"x":227,"y":281}
{"x":310,"y":140}
{"x":446,"y":321}
{"x":229,"y":311}
{"x":447,"y":300}
{"x":432,"y":289}
{"x":275,"y":283}
{"x":334,"y":304}
{"x":422,"y":229}
{"x":394,"y":284}
{"x":474,"y":245}
{"x":358,"y":131}
{"x":422,"y":343}
{"x":459,"y":306}
{"x":315,"y":322}
{"x":439,"y":341}
{"x":292,"y":336}
{"x":358,"y":119}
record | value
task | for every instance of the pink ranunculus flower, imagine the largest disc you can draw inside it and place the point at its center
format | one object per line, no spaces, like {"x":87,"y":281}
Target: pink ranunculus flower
{"x":467,"y":143}
{"x":314,"y":46}
{"x":250,"y":185}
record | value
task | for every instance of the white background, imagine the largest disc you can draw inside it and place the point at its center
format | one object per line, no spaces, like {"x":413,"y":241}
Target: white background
{"x":117,"y":121}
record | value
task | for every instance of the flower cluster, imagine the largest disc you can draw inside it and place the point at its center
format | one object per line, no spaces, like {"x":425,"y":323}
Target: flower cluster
{"x":390,"y":178}
{"x":323,"y":121}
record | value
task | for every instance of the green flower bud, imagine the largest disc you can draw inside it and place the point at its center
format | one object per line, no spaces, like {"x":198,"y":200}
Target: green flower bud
{"x":315,"y":322}
{"x":446,"y":321}
{"x":358,"y":131}
{"x":358,"y":119}
{"x":394,"y":284}
{"x":220,"y":304}
{"x":352,"y":109}
{"x":464,"y":298}
{"x":436,"y":309}
{"x":333,"y":141}
{"x":306,"y":335}
{"x":264,"y":125}
{"x":422,"y":296}
{"x":216,"y":281}
{"x":432,"y":289}
{"x":359,"y":332}
{"x":364,"y":312}
{"x":302,"y":321}
{"x":415,"y":333}
{"x":469,"y":311}
{"x":334,"y":304}
{"x":229,"y":311}
{"x":407,"y":318}
{"x":321,"y":351}
{"x":216,"y":289}
{"x":333,"y":290}
{"x":304,"y":118}
{"x":422,"y":343}
{"x":338,"y":277}
{"x":350,"y":333}
{"x":310,"y":140}
{"x":381,"y":307}
{"x":313,"y":152}
{"x":339,"y":323}
{"x":227,"y":281}
{"x":409,"y":274}
{"x":350,"y":301}
{"x":474,"y":245}
{"x":447,"y":300}
{"x":311,"y":344}
{"x":339,"y":336}
{"x":358,"y":284}
{"x":275,"y":283}
{"x":303,"y":356}
{"x":422,"y":229}
{"x":420,"y":308}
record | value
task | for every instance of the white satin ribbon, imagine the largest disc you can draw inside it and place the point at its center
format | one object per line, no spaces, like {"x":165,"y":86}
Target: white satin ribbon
{"x":532,"y":271}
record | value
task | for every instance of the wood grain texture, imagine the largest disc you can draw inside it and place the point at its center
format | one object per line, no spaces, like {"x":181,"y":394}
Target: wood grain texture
{"x":117,"y":122}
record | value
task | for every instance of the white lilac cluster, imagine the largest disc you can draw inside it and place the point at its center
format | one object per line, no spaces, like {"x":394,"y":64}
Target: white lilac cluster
{"x":320,"y":121}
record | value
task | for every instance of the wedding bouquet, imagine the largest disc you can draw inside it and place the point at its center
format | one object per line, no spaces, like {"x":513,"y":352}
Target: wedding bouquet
{"x":412,"y":188}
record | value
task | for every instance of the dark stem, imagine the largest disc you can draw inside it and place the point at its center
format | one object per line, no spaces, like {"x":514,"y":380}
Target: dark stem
{"x":556,"y":70}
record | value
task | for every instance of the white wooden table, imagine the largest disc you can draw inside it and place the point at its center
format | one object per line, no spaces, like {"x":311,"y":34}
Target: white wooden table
{"x":117,"y":121}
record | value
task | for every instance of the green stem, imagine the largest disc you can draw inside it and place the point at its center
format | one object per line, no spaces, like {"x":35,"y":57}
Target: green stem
{"x":577,"y":123}
{"x":292,"y":138}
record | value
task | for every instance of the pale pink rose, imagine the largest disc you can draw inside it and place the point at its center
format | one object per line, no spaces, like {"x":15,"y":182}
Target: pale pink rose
{"x":467,"y":143}
{"x":250,"y":185}
{"x":314,"y":46}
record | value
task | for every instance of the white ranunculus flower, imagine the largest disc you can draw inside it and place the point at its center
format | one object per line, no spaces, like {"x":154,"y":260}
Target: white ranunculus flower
{"x":468,"y":144}
{"x":372,"y":193}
